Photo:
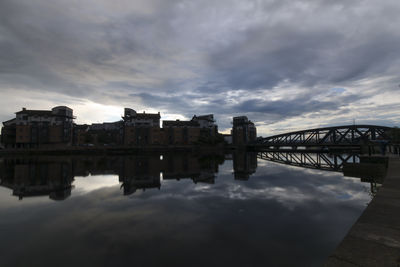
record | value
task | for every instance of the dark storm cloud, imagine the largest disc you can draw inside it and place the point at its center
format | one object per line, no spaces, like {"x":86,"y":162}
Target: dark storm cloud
{"x":248,"y":65}
{"x":309,"y":51}
{"x":293,"y":107}
{"x":192,"y":57}
{"x":51,"y":47}
{"x":257,"y":107}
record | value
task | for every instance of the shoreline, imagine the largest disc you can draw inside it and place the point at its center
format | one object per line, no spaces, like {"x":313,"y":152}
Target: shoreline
{"x":116,"y":150}
{"x":374,"y":239}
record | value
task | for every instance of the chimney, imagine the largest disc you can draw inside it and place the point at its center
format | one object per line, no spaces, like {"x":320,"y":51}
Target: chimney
{"x":23,"y":109}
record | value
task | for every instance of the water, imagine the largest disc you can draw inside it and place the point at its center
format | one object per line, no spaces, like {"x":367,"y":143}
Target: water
{"x":172,"y":210}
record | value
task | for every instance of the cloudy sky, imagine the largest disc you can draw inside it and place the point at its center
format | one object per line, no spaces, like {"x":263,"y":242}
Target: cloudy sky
{"x":285,"y":64}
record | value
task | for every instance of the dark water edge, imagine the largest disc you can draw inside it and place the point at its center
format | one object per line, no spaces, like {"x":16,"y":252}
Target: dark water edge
{"x":211,"y":209}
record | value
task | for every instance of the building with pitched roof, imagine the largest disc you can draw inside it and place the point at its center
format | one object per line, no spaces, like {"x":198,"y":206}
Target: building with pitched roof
{"x":141,"y":128}
{"x":36,"y":128}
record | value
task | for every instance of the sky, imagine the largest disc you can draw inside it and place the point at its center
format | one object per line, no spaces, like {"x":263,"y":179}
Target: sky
{"x":287,"y":65}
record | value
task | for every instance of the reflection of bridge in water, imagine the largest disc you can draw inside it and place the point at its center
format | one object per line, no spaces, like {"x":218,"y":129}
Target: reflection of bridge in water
{"x":322,"y":161}
{"x":351,"y":164}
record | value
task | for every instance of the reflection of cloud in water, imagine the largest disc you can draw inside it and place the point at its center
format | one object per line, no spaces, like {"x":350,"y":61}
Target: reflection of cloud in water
{"x":301,"y":212}
{"x":8,"y":201}
{"x":288,"y":185}
{"x":103,"y":228}
{"x":90,"y":183}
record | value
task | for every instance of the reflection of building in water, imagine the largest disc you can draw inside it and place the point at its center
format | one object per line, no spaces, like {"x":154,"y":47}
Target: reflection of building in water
{"x":37,"y":178}
{"x":199,"y":169}
{"x":53,"y":176}
{"x":140,"y":172}
{"x":244,"y":164}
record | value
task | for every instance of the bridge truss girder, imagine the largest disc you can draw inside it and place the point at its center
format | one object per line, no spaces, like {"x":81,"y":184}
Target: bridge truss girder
{"x":341,"y":135}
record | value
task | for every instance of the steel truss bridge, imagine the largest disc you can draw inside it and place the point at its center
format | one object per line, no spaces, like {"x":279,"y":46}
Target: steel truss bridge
{"x":321,"y":161}
{"x":349,"y":135}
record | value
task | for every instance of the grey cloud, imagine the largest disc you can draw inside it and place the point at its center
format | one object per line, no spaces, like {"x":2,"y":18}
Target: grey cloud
{"x":269,"y":55}
{"x":293,"y":107}
{"x":175,"y":55}
{"x":46,"y":48}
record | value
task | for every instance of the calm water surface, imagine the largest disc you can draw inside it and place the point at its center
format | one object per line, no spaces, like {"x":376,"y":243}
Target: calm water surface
{"x":172,"y":210}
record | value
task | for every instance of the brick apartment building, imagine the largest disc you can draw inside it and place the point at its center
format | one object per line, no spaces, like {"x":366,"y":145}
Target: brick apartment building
{"x":243,"y":131}
{"x":39,"y":128}
{"x":181,"y":132}
{"x":198,"y":129}
{"x":55,"y":127}
{"x":141,"y":128}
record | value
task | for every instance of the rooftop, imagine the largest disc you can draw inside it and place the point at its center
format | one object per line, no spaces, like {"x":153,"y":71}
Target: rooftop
{"x":209,"y":117}
{"x":179,"y":123}
{"x":35,"y":112}
{"x":143,"y":116}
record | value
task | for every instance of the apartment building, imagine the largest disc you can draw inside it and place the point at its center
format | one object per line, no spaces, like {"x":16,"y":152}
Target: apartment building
{"x":8,"y":133}
{"x":198,"y":129}
{"x":80,"y":134}
{"x":243,"y":131}
{"x":37,"y":128}
{"x":55,"y":127}
{"x":181,"y":132}
{"x":141,"y":128}
{"x":207,"y":124}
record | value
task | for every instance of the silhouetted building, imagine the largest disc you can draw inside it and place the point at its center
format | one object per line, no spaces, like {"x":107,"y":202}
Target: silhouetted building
{"x":8,"y":133}
{"x":36,"y":128}
{"x":107,"y":133}
{"x":81,"y":134}
{"x":207,"y":123}
{"x":198,"y":129}
{"x":181,"y":132}
{"x":243,"y":131}
{"x":141,"y":128}
{"x":55,"y":128}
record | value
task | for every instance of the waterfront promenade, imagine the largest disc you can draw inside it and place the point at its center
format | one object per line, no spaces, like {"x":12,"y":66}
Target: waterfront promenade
{"x":374,"y":240}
